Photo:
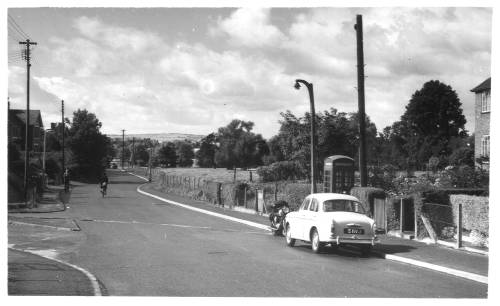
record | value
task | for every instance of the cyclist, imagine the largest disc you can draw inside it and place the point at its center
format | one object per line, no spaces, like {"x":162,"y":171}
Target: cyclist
{"x":104,"y":184}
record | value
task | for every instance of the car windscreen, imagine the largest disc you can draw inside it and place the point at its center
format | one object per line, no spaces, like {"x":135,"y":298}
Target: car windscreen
{"x":343,"y":205}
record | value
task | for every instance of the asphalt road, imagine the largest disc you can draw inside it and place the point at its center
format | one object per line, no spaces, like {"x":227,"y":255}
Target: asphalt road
{"x":138,"y":246}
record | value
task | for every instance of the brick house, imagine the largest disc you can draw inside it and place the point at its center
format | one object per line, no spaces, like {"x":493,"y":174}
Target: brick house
{"x":482,"y":115}
{"x":16,"y":129}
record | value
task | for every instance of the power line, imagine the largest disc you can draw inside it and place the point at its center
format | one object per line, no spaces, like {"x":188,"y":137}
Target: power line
{"x":14,"y":34}
{"x":18,"y":27}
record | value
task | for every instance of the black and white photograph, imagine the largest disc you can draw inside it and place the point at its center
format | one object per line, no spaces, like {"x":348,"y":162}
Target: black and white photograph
{"x":309,"y":150}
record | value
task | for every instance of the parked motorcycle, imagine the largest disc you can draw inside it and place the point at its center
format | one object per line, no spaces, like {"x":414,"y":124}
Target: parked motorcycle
{"x":277,"y":217}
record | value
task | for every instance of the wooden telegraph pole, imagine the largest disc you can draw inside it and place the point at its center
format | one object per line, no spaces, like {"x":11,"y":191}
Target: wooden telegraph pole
{"x":361,"y":100}
{"x":28,"y":43}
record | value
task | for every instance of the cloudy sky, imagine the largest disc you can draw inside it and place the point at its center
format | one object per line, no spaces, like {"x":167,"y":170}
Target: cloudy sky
{"x":192,"y":70}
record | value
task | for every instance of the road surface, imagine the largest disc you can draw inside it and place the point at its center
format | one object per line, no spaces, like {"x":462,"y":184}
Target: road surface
{"x":138,"y":246}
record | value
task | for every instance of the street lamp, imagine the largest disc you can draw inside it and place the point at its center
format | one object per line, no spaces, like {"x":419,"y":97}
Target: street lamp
{"x":313,"y":131}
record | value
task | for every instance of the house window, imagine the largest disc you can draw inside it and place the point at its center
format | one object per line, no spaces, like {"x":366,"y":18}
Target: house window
{"x":485,"y":101}
{"x":485,"y":146}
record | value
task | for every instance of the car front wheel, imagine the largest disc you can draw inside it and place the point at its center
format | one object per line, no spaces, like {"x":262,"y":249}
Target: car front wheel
{"x":289,"y":240}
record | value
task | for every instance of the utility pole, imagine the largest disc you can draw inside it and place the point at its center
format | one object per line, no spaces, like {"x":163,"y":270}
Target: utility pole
{"x":361,"y":100}
{"x":63,"y":130}
{"x":123,"y":146}
{"x":133,"y":151}
{"x":28,"y":43}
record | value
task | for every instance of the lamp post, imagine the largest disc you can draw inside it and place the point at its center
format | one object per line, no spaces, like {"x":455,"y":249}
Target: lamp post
{"x":313,"y":130}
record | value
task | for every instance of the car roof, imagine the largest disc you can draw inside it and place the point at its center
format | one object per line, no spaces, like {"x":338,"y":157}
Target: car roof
{"x":332,"y":196}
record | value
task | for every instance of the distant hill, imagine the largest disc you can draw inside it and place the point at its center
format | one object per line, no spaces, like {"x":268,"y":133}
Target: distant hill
{"x":161,"y":137}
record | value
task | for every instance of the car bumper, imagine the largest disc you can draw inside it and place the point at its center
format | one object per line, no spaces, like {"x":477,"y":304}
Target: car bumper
{"x":354,"y":240}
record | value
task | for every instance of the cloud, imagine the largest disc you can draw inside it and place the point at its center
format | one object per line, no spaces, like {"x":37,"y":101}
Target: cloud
{"x":249,"y":27}
{"x":247,"y":64}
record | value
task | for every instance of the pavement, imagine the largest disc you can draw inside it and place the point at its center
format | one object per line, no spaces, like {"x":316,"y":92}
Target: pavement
{"x":52,"y":200}
{"x":36,"y":274}
{"x":32,"y":274}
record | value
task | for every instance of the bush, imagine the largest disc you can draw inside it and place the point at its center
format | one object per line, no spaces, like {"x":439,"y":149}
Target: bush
{"x":295,"y":193}
{"x":281,"y":171}
{"x":462,"y":177}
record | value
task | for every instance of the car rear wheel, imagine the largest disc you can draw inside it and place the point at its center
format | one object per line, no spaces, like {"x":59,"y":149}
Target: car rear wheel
{"x":289,"y":240}
{"x":316,"y":245}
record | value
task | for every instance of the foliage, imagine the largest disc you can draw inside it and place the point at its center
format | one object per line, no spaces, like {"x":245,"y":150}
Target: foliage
{"x":337,"y":133}
{"x":433,"y":118}
{"x":206,"y":153}
{"x":167,"y":155}
{"x":89,"y":147}
{"x":382,"y":177}
{"x":184,"y":151}
{"x":462,"y":177}
{"x":238,"y":146}
{"x":280,"y":171}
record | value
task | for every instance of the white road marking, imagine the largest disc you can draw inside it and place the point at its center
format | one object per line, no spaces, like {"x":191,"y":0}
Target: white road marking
{"x":459,"y":273}
{"x":207,"y":212}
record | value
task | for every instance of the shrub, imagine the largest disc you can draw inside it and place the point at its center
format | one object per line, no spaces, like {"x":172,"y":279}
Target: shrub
{"x":295,"y":193}
{"x":281,"y":171}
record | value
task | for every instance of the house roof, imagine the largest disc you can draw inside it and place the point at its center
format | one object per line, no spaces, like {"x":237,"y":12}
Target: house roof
{"x":483,"y":86}
{"x":35,"y":115}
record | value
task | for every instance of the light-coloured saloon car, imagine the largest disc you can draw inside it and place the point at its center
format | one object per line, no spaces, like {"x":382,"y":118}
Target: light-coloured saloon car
{"x":331,"y":218}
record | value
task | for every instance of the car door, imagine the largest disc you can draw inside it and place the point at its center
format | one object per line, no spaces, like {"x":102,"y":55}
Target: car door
{"x":301,"y":219}
{"x":310,"y":217}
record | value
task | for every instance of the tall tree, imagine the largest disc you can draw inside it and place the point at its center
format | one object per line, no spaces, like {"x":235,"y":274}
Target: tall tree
{"x":184,"y":150}
{"x":89,"y":147}
{"x":206,"y":153}
{"x":238,"y":146}
{"x":433,"y":117}
{"x":167,"y":155}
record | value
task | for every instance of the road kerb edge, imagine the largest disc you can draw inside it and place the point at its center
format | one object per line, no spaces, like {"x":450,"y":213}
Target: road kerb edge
{"x":93,"y":280}
{"x":467,"y":275}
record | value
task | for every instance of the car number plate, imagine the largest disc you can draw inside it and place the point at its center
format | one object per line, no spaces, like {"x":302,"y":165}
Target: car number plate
{"x":354,"y":231}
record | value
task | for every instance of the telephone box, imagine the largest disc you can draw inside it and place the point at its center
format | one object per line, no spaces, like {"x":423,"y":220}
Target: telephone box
{"x":338,"y":174}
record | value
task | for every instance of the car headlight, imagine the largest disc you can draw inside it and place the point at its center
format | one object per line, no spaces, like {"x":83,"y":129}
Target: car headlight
{"x":374,"y":227}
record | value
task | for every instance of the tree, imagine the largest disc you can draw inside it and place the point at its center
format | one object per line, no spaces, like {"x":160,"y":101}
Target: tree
{"x":337,"y":133}
{"x":167,"y":155}
{"x":238,"y":146}
{"x":206,"y":153}
{"x":88,"y":146}
{"x":185,"y":153}
{"x":432,"y":118}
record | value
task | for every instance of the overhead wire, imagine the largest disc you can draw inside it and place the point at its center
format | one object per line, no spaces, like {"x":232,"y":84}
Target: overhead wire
{"x":18,"y":27}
